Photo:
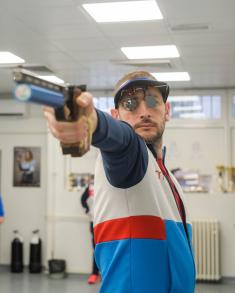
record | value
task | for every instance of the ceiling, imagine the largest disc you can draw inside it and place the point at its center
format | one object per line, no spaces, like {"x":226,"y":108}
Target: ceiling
{"x":60,"y":35}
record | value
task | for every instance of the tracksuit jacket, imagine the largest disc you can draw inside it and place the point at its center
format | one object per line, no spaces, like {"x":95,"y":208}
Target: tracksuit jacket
{"x":142,"y":235}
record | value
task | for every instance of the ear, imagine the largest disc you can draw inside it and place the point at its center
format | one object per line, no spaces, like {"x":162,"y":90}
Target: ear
{"x":168,"y":109}
{"x":114,"y":113}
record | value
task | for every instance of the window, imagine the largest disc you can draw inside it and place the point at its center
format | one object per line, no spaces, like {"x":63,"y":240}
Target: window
{"x":196,"y":107}
{"x":233,"y":107}
{"x":104,"y":103}
{"x":182,"y":107}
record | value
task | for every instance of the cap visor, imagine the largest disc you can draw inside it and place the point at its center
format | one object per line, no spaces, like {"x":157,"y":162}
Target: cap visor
{"x":163,"y":87}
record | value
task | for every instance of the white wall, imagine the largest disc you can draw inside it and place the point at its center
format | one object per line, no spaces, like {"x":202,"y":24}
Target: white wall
{"x":199,"y":148}
{"x":24,"y":207}
{"x":217,"y":206}
{"x":68,"y":226}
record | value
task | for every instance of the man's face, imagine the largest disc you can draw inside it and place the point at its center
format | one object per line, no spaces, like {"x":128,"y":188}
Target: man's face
{"x":145,"y":111}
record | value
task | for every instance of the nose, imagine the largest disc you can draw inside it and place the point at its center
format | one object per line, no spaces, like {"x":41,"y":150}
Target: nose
{"x":143,"y":110}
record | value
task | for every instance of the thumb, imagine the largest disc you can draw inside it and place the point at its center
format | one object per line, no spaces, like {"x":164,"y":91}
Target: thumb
{"x":85,"y":100}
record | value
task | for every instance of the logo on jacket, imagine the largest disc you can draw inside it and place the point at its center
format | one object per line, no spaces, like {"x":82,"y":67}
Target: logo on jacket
{"x":160,"y":175}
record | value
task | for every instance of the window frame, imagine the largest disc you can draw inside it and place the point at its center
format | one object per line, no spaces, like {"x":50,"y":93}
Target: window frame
{"x":190,"y":122}
{"x":231,"y":96}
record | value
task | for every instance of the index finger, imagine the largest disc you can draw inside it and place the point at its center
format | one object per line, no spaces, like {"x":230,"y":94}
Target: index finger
{"x":48,"y":109}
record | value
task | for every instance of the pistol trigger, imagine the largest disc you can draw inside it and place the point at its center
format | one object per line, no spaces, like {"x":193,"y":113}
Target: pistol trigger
{"x":59,"y":114}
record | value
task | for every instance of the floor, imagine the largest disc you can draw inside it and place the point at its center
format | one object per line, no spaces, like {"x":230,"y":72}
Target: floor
{"x":40,"y":283}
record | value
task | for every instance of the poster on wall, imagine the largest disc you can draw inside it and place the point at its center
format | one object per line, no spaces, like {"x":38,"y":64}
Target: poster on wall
{"x":77,"y":181}
{"x":27,"y":166}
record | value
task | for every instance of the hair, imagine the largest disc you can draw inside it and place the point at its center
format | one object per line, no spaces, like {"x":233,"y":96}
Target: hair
{"x":29,"y":152}
{"x":132,"y":75}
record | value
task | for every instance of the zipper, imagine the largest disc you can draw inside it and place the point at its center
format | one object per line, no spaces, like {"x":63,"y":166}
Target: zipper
{"x":178,"y":200}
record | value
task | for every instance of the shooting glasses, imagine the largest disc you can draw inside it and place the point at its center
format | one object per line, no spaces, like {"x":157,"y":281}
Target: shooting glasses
{"x":140,"y":88}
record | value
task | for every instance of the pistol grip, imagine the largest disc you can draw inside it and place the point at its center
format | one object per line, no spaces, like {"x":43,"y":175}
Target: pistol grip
{"x":72,"y":112}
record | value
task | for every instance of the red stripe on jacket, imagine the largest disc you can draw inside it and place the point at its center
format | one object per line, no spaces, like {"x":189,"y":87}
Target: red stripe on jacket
{"x":150,"y":227}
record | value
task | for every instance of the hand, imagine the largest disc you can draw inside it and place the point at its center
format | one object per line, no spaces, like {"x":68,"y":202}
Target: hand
{"x":73,"y":132}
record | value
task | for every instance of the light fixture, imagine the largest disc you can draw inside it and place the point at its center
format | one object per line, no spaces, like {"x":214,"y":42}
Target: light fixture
{"x":9,"y":58}
{"x":52,"y":78}
{"x":172,"y":76}
{"x":124,"y":11}
{"x":151,"y":52}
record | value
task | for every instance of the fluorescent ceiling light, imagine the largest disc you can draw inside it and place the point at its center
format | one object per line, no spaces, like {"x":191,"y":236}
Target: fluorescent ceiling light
{"x":52,"y":78}
{"x":151,"y":52}
{"x":9,"y":58}
{"x":172,"y":76}
{"x":124,"y":11}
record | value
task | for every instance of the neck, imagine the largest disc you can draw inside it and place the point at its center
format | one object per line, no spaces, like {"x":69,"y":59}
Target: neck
{"x":157,"y":146}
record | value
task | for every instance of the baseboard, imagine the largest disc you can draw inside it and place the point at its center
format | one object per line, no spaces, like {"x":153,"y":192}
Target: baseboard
{"x":228,"y":280}
{"x":5,"y":268}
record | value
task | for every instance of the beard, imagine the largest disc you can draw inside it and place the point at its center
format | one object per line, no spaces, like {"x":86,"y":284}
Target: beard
{"x":154,"y":139}
{"x":150,"y":138}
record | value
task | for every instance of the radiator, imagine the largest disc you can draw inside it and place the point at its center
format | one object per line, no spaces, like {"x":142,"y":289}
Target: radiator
{"x":206,"y":244}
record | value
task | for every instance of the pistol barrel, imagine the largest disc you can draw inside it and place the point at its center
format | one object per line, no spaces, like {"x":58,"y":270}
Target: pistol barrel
{"x":35,"y":94}
{"x":28,"y":77}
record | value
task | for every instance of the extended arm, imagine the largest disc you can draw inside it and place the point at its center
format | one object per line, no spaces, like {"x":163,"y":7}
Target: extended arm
{"x":124,"y":152}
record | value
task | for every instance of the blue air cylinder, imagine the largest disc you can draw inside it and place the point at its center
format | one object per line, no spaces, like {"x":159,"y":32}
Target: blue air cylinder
{"x":36,"y":94}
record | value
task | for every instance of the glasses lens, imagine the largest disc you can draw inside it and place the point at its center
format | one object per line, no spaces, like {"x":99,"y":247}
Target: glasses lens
{"x":130,"y":103}
{"x":132,"y":97}
{"x":151,"y":101}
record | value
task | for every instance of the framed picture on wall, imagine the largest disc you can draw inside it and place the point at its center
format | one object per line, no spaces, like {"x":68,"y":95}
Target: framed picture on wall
{"x":77,"y":181}
{"x":27,"y":166}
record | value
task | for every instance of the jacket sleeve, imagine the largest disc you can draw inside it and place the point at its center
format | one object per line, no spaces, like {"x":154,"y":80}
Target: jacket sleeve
{"x":124,"y":153}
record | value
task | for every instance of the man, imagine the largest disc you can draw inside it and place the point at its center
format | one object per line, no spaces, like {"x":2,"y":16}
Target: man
{"x":141,"y":231}
{"x":87,"y":201}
